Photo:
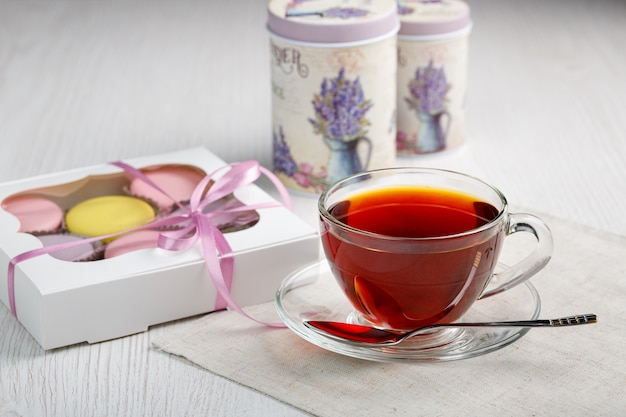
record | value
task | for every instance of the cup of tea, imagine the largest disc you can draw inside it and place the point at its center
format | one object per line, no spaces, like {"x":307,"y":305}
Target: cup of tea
{"x":412,"y":247}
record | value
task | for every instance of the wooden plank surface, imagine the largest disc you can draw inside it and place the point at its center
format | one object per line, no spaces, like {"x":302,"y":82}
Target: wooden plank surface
{"x":84,"y":82}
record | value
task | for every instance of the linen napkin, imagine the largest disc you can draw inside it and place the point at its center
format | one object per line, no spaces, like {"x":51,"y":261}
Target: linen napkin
{"x":567,"y":371}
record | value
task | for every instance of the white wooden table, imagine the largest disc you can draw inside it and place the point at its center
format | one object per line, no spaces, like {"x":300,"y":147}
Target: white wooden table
{"x":85,"y":82}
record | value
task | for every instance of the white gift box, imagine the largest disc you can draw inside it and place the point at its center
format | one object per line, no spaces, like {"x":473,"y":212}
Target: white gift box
{"x":62,"y":303}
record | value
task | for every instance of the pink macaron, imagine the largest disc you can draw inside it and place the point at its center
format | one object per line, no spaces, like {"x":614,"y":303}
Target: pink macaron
{"x":178,"y":181}
{"x":77,"y":250}
{"x":35,"y":213}
{"x":131,"y":242}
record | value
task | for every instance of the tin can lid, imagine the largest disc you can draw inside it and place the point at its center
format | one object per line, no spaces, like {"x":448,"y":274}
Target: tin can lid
{"x":432,"y":17}
{"x":332,"y":21}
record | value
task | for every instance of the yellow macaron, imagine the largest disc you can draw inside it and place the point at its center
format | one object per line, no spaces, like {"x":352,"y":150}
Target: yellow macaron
{"x":108,"y":214}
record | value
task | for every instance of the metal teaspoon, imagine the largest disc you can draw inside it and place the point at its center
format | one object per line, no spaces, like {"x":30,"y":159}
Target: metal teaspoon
{"x":371,"y":336}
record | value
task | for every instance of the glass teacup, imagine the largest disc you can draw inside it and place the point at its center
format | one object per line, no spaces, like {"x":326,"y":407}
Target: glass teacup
{"x":412,"y":247}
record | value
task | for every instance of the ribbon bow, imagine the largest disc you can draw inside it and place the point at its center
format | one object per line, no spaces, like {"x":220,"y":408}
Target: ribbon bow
{"x":193,"y":225}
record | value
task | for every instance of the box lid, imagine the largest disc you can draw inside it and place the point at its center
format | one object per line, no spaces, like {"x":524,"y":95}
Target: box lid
{"x":332,"y":21}
{"x":423,"y":17}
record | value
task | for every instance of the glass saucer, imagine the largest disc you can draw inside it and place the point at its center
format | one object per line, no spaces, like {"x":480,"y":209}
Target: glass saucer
{"x":311,"y":293}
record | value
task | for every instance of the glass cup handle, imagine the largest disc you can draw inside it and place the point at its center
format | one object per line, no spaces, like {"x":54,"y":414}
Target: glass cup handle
{"x":533,"y":263}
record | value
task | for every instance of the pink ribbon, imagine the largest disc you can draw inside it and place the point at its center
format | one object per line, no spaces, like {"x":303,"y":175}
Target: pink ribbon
{"x":192,"y":226}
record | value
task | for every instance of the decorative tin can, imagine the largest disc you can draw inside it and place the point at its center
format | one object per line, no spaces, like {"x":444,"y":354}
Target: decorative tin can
{"x":333,"y":67}
{"x":432,"y":75}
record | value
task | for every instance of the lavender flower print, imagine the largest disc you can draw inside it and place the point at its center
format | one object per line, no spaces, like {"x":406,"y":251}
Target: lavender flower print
{"x":333,"y":12}
{"x":340,"y":109}
{"x":403,"y":9}
{"x":345,"y":12}
{"x":283,"y":161}
{"x":303,"y":174}
{"x":428,"y":91}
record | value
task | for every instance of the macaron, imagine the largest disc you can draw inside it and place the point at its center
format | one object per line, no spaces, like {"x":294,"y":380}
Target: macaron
{"x":178,"y":181}
{"x":227,"y":221}
{"x":105,"y":215}
{"x":231,"y":221}
{"x":35,"y":213}
{"x":131,"y":242}
{"x":81,"y":252}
